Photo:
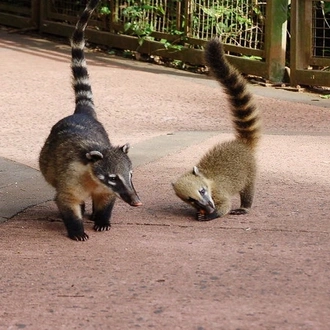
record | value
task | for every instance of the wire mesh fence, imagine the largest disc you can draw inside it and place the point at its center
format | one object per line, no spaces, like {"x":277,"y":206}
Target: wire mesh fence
{"x":238,"y":22}
{"x":321,"y":28}
{"x":147,"y":16}
{"x":67,"y":7}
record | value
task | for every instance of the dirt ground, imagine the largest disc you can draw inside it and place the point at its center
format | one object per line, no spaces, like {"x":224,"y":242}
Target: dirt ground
{"x":157,"y":268}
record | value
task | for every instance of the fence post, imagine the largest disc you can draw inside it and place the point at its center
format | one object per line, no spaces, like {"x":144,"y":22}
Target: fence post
{"x":275,"y":38}
{"x":35,"y":13}
{"x":301,"y":28}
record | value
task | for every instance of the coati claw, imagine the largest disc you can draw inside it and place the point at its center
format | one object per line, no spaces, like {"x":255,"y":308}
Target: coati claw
{"x":203,"y":216}
{"x":83,"y":237}
{"x":238,"y":211}
{"x":102,"y":228}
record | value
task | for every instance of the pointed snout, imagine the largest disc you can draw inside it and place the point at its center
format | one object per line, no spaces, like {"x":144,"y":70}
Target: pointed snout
{"x":136,"y":203}
{"x":208,"y":205}
{"x":131,"y":198}
{"x":134,"y":199}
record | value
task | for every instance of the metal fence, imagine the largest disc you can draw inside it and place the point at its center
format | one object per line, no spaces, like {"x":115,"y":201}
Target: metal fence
{"x":254,"y":31}
{"x":310,"y":50}
{"x":238,"y":22}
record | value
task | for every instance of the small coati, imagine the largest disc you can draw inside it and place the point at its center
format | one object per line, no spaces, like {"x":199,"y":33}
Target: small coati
{"x":228,"y":168}
{"x":78,"y":158}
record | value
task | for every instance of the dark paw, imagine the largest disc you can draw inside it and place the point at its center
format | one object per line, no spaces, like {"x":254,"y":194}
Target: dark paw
{"x":79,"y":237}
{"x":202,"y":216}
{"x":238,"y":211}
{"x":102,"y":227}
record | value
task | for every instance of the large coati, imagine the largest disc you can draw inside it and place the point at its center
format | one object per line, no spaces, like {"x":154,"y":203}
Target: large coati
{"x":78,"y":158}
{"x":229,"y":168}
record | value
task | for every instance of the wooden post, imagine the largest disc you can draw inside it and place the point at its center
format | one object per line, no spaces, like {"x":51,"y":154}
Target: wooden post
{"x":187,"y":13}
{"x":35,"y":13}
{"x":275,"y":38}
{"x":300,"y":48}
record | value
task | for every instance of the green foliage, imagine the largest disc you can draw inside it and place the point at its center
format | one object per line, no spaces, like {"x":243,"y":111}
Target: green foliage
{"x":104,"y":10}
{"x":170,"y":46}
{"x":226,"y":20}
{"x":229,"y":21}
{"x":137,"y":20}
{"x":326,"y":7}
{"x":140,"y":18}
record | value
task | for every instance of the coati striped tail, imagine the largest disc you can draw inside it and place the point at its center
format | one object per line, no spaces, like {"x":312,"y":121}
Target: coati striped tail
{"x":80,"y":81}
{"x":246,"y":119}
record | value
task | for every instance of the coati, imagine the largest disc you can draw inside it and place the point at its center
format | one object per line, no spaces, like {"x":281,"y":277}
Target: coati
{"x":78,"y":158}
{"x":228,"y":168}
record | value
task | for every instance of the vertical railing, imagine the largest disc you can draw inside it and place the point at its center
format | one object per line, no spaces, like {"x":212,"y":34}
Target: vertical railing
{"x":309,"y":54}
{"x":275,"y":39}
{"x":305,"y":64}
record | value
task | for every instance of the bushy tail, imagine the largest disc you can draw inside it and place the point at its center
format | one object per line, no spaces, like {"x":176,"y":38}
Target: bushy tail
{"x":246,"y":118}
{"x":80,"y":81}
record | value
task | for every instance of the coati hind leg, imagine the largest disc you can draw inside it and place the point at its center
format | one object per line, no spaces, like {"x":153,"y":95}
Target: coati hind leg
{"x":246,"y":196}
{"x":102,"y":209}
{"x":70,"y":210}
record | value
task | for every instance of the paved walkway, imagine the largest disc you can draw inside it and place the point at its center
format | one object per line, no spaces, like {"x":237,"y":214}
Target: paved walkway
{"x":157,"y":267}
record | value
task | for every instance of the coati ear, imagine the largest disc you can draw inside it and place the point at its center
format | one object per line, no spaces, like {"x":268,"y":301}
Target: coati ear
{"x":195,"y":170}
{"x":94,"y":155}
{"x":125,"y":148}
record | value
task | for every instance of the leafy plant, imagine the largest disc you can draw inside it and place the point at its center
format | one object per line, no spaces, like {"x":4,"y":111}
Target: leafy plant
{"x":141,"y":18}
{"x":104,"y":10}
{"x":137,"y":20}
{"x":231,"y":22}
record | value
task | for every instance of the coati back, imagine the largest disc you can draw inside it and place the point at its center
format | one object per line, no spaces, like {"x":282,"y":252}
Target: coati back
{"x":228,"y":168}
{"x":78,"y":159}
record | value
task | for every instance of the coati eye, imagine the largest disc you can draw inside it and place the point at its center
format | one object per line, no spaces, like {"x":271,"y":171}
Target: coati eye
{"x":202,"y":191}
{"x":112,"y":179}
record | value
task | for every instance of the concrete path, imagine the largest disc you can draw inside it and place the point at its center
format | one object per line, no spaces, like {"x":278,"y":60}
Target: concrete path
{"x":157,"y":267}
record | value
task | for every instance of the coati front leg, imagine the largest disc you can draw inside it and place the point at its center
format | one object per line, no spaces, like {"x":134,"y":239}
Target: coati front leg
{"x":246,"y":196}
{"x":102,"y":209}
{"x":71,"y":212}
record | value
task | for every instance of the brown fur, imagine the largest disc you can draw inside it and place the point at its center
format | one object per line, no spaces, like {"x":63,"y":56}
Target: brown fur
{"x":228,"y":168}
